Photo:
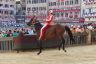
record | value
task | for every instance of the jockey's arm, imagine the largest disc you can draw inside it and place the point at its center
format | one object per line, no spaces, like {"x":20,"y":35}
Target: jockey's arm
{"x":49,"y":19}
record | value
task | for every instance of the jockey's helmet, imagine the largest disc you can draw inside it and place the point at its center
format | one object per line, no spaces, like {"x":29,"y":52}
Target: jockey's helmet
{"x":51,"y":11}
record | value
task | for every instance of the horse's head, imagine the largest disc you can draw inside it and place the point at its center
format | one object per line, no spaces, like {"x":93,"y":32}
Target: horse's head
{"x":34,"y":21}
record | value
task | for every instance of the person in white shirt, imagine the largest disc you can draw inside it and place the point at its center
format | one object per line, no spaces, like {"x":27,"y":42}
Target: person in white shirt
{"x":90,"y":27}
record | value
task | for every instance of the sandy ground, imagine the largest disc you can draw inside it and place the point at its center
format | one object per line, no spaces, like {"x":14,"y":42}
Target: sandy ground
{"x":74,"y":55}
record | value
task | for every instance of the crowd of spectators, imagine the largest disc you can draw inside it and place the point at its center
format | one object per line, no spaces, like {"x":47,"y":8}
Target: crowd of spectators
{"x":82,"y":28}
{"x":15,"y":32}
{"x":30,"y":31}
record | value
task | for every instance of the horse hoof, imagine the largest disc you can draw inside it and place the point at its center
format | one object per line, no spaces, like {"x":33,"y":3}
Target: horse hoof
{"x":59,"y":49}
{"x":38,"y":53}
{"x":65,"y":51}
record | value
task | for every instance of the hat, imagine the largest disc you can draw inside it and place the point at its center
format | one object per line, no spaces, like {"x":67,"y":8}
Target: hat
{"x":50,"y":11}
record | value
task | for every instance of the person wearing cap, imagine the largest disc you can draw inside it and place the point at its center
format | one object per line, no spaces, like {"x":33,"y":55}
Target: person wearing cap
{"x":47,"y":23}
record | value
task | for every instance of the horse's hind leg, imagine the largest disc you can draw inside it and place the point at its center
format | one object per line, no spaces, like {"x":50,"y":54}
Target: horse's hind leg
{"x":60,"y":45}
{"x":40,"y":47}
{"x":63,"y":42}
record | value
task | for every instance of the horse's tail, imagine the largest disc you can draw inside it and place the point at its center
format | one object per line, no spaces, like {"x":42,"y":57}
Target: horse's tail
{"x":69,"y":33}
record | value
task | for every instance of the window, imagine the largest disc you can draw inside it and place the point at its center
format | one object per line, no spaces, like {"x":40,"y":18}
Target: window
{"x":44,"y":8}
{"x":6,"y":5}
{"x":1,"y":5}
{"x":1,"y":11}
{"x":36,"y":1}
{"x":28,"y":1}
{"x":34,"y":8}
{"x":11,"y":0}
{"x":23,"y":1}
{"x":32,"y":1}
{"x":91,"y":0}
{"x":54,"y":3}
{"x":66,"y":14}
{"x":51,"y":4}
{"x":71,"y":2}
{"x":23,"y":8}
{"x":76,"y":1}
{"x":11,"y":12}
{"x":66,"y":2}
{"x":90,"y":10}
{"x":62,"y":14}
{"x":12,"y":6}
{"x":58,"y":15}
{"x":76,"y":15}
{"x":6,"y":12}
{"x":58,"y":3}
{"x":62,"y":3}
{"x":83,"y":12}
{"x":7,"y":0}
{"x":41,"y":8}
{"x":42,"y":1}
{"x":28,"y":9}
{"x":45,"y":1}
{"x":0,"y":0}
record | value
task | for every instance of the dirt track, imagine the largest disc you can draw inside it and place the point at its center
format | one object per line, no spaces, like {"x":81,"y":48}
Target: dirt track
{"x":74,"y":55}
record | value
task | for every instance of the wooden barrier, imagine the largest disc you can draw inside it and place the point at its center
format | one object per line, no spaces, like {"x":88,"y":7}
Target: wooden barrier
{"x":26,"y":42}
{"x":30,"y":42}
{"x":93,"y":37}
{"x":6,"y":44}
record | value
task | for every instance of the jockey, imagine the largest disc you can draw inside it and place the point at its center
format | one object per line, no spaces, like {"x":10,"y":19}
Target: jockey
{"x":49,"y":20}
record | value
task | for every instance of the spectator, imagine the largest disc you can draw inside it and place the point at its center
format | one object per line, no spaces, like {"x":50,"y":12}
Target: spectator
{"x":90,"y":27}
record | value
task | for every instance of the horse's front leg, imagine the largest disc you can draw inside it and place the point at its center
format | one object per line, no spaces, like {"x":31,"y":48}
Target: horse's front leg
{"x":40,"y":47}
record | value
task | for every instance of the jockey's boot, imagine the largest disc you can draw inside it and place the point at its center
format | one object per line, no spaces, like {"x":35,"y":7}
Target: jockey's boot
{"x":41,"y":38}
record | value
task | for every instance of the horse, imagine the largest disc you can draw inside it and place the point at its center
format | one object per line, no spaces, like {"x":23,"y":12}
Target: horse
{"x":52,"y":32}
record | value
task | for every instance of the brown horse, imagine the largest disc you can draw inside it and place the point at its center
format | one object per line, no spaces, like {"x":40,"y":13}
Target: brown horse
{"x":52,"y":32}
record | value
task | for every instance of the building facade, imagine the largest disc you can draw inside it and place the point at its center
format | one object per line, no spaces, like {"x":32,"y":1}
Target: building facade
{"x":65,"y":10}
{"x":36,"y":7}
{"x":7,"y":11}
{"x":23,"y":5}
{"x":20,"y":11}
{"x":89,"y":10}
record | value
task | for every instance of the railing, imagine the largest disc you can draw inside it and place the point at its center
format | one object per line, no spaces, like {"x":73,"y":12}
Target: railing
{"x":30,"y":42}
{"x":80,"y":38}
{"x":93,"y":37}
{"x":6,"y":44}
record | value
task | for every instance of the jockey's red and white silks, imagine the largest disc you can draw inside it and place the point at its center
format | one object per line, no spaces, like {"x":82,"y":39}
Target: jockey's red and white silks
{"x":49,"y":19}
{"x":46,"y":25}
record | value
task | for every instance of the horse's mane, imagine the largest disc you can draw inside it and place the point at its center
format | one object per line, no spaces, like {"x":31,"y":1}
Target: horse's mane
{"x":38,"y":26}
{"x":29,"y":23}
